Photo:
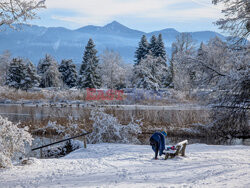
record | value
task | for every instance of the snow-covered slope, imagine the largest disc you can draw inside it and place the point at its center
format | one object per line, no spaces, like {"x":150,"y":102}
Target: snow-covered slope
{"x":121,"y":165}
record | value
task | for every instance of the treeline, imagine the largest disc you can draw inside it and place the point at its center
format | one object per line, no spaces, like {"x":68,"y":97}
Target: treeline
{"x":108,"y":71}
{"x":188,"y":68}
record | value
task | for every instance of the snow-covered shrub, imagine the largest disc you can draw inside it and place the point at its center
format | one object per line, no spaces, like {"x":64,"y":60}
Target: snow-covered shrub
{"x":106,"y":128}
{"x":53,"y":127}
{"x":12,"y":141}
{"x":59,"y":129}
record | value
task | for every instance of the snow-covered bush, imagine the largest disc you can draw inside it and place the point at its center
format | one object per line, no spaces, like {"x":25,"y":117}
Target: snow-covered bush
{"x":59,"y":129}
{"x":12,"y":141}
{"x":106,"y":128}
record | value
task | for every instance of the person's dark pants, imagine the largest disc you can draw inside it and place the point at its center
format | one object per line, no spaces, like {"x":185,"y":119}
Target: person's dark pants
{"x":154,"y":144}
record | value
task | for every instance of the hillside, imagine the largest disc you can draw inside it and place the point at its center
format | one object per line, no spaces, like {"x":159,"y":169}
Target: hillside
{"x":34,"y":42}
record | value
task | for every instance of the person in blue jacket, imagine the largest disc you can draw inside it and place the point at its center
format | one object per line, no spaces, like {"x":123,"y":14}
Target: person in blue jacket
{"x":157,"y":141}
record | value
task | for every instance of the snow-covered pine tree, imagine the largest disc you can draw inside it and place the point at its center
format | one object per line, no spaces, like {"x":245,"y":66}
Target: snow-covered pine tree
{"x":142,"y":50}
{"x":52,"y":77}
{"x":69,"y":74}
{"x":153,"y":45}
{"x":162,"y":60}
{"x":21,"y":74}
{"x":160,"y":49}
{"x":147,"y":75}
{"x":49,"y":73}
{"x":89,"y":76}
{"x":16,"y":73}
{"x":31,"y":78}
{"x":44,"y":64}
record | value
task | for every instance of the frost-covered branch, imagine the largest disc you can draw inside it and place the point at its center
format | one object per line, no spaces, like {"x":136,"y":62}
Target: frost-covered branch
{"x":191,"y":59}
{"x":19,"y":11}
{"x":237,"y":17}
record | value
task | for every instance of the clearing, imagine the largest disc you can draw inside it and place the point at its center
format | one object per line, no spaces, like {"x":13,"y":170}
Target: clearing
{"x":123,"y":165}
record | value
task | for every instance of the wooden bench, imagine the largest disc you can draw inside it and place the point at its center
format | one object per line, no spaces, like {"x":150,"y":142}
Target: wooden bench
{"x":180,"y":150}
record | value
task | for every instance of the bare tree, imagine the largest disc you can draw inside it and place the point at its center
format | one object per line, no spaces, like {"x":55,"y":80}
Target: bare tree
{"x":237,"y":17}
{"x":231,"y":114}
{"x":225,"y":71}
{"x":4,"y":66}
{"x":18,"y":11}
{"x":113,"y":70}
{"x":182,"y":50}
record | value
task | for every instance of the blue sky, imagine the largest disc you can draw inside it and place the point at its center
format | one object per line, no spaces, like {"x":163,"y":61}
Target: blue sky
{"x":144,"y":15}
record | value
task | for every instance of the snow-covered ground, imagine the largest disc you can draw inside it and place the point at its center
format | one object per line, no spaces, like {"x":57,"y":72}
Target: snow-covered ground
{"x":122,"y":165}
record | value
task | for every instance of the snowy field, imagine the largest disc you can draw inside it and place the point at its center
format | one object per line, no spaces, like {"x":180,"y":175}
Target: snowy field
{"x":121,"y":165}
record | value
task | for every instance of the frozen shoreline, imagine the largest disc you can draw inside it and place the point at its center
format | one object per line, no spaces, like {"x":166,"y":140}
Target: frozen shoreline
{"x":122,"y":165}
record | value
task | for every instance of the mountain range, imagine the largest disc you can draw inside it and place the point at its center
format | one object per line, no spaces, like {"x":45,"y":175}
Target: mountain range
{"x":34,"y":42}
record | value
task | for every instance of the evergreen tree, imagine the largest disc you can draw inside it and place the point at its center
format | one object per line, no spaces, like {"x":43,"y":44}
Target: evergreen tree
{"x":31,"y":78}
{"x":89,"y":76}
{"x":153,"y":46}
{"x":147,"y":75}
{"x":160,"y":49}
{"x":68,"y":72}
{"x":49,"y":73}
{"x":21,"y":75}
{"x":44,"y":64}
{"x":142,"y":50}
{"x":16,"y":73}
